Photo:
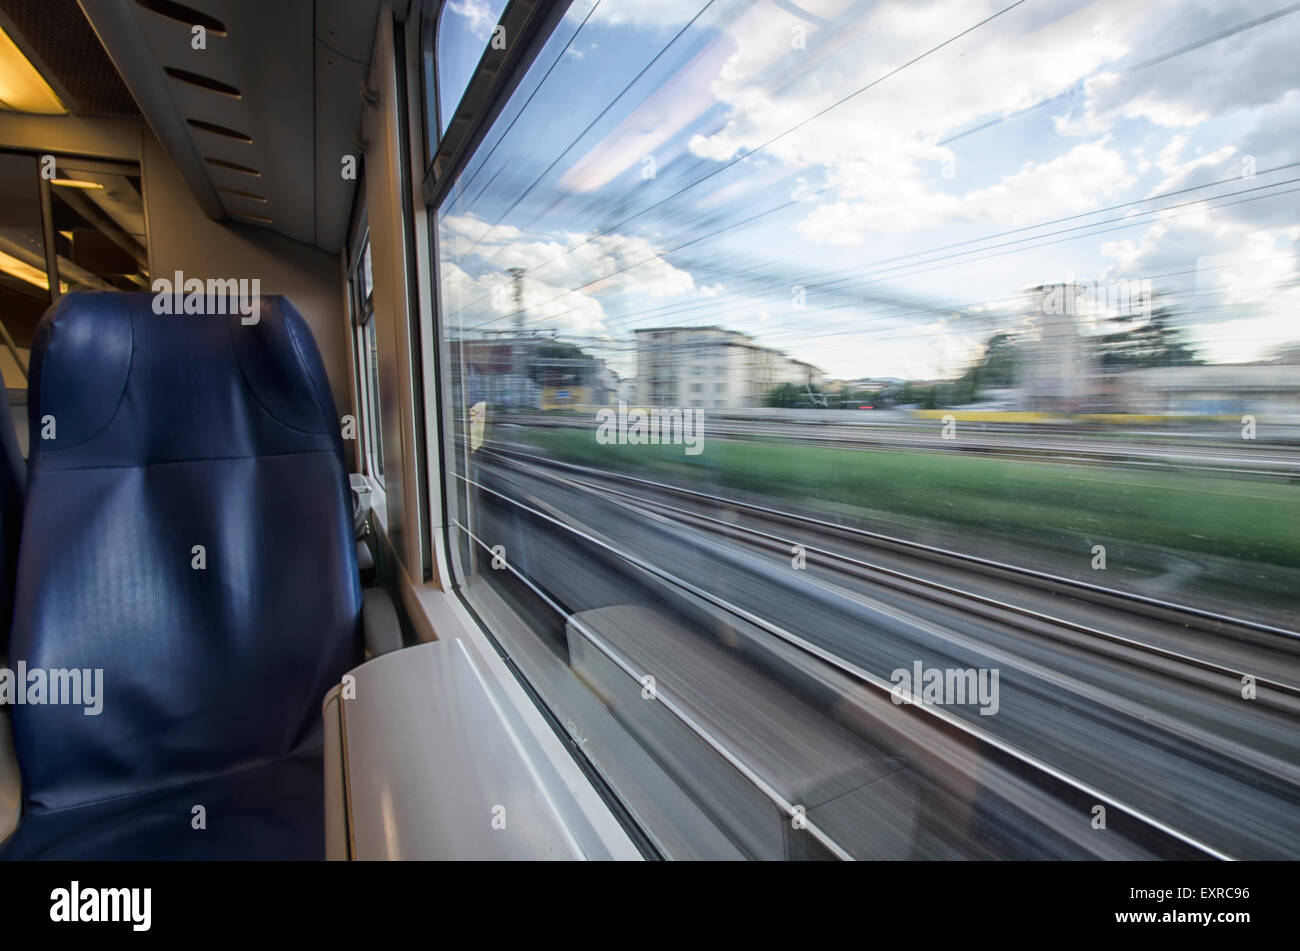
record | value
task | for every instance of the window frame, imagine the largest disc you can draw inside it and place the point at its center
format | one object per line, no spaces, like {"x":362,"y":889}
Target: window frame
{"x":530,"y":23}
{"x":446,"y":159}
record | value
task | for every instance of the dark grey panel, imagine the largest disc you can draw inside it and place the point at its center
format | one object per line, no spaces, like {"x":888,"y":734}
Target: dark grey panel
{"x":297,"y":65}
{"x":347,"y":27}
{"x":338,"y":91}
{"x":266,"y":55}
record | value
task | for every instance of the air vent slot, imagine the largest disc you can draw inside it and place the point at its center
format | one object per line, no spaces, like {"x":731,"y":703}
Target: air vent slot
{"x":247,"y":217}
{"x":203,"y":82}
{"x":221,"y":130}
{"x":183,"y":14}
{"x":243,"y":194}
{"x":233,"y":167}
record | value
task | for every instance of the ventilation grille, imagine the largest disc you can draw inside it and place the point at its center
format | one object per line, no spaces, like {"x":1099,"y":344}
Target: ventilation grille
{"x":221,"y":130}
{"x":203,"y":82}
{"x":233,"y":167}
{"x":239,"y":193}
{"x":183,"y":14}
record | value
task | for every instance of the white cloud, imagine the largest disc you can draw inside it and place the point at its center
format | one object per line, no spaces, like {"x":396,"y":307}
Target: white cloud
{"x":1087,"y":175}
{"x":878,"y":150}
{"x":479,"y":14}
{"x":639,"y":13}
{"x":565,"y":275}
{"x":1213,"y":75}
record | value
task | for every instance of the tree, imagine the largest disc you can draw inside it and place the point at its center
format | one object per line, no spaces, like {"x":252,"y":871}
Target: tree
{"x":794,"y":395}
{"x":999,"y":365}
{"x":849,"y":398}
{"x":555,"y":363}
{"x":1135,"y":341}
{"x":917,"y":394}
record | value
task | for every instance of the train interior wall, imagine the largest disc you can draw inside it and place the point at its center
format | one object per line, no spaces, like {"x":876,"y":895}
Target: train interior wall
{"x":182,"y":238}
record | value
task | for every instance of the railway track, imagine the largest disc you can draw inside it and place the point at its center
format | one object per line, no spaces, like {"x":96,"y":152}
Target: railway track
{"x":1040,"y":788}
{"x":1255,"y":647}
{"x":1264,"y":646}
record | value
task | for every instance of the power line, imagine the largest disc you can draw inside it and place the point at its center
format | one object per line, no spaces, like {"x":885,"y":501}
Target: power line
{"x":1147,"y":63}
{"x":592,"y":123}
{"x":776,"y":138}
{"x":1144,"y":218}
{"x":524,"y":108}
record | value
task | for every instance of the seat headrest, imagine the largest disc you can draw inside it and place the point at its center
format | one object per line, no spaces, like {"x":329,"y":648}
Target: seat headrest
{"x":115,"y":383}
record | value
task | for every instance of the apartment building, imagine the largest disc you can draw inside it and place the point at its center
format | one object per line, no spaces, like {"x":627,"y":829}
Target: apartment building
{"x":711,"y":368}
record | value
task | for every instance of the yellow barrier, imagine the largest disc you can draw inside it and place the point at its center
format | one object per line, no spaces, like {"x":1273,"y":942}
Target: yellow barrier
{"x":1124,"y":419}
{"x":563,"y":397}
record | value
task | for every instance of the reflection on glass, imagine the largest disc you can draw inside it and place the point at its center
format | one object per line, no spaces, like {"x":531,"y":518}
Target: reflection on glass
{"x":464,"y":31}
{"x":1019,"y":284}
{"x":24,"y":286}
{"x":99,"y":227}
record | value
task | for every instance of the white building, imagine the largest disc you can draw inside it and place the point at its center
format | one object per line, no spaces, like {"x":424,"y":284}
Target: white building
{"x":1056,"y":374}
{"x":711,"y":368}
{"x":1269,"y":392}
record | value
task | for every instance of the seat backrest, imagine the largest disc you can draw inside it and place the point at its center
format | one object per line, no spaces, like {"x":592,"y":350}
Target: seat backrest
{"x":13,"y":475}
{"x":188,"y":532}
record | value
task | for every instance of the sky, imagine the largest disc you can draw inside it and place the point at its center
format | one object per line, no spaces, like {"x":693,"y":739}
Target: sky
{"x":873,"y":187}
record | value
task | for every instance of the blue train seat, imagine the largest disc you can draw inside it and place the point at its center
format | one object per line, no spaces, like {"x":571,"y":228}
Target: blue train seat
{"x":188,"y":549}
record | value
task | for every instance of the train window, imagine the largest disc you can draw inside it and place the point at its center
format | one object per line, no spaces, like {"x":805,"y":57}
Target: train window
{"x":24,"y":278}
{"x":98,"y":224}
{"x":368,"y":361}
{"x":1001,"y":301}
{"x":465,"y":28}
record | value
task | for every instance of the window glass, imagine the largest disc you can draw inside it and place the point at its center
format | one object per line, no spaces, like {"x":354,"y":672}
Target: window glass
{"x":1007,"y":295}
{"x":99,"y":235}
{"x":464,"y":31}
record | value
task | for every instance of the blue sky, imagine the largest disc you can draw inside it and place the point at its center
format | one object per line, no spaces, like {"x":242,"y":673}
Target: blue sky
{"x":707,"y":192}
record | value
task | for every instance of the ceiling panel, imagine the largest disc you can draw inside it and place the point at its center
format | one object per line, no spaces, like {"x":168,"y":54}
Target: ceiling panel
{"x":297,"y":66}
